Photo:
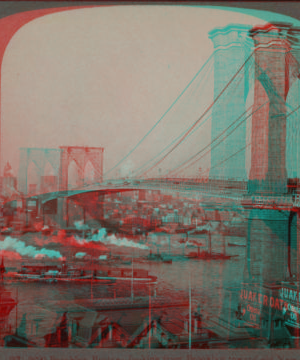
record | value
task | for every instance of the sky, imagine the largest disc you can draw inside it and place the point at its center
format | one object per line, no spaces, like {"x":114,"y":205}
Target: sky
{"x":104,"y":76}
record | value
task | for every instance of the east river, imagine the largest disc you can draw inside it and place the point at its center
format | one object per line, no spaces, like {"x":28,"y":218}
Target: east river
{"x":208,"y":280}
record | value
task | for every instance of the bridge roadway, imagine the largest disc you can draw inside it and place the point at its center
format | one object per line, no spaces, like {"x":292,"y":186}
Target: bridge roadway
{"x":210,"y":191}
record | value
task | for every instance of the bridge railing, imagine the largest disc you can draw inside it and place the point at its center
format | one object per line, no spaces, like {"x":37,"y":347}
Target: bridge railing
{"x":232,"y":190}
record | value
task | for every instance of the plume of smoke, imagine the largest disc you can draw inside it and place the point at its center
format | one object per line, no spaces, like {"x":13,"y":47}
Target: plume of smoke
{"x":127,"y":168}
{"x":75,"y":241}
{"x":18,"y":246}
{"x":80,"y":254}
{"x":124,"y":242}
{"x":79,"y":225}
{"x":100,"y":235}
{"x":113,"y":240}
{"x":157,"y":240}
{"x":85,"y":243}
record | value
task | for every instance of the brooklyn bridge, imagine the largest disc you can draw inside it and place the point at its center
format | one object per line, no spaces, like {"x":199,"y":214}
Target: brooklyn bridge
{"x":253,"y":155}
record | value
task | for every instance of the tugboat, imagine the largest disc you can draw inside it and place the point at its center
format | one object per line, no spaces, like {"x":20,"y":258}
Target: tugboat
{"x":2,"y":269}
{"x":209,"y":255}
{"x":70,"y":273}
{"x":158,"y":258}
{"x":155,"y":258}
{"x":113,"y":260}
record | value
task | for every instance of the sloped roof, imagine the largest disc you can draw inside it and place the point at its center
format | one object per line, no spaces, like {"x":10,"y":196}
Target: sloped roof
{"x":104,"y":341}
{"x":146,"y":326}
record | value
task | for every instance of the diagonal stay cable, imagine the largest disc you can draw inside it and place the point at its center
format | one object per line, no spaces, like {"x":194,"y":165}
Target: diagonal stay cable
{"x":198,"y":153}
{"x":211,"y":143}
{"x":250,"y":142}
{"x":162,"y":117}
{"x":195,"y":129}
{"x":176,"y":169}
{"x":201,"y":117}
{"x":148,"y":162}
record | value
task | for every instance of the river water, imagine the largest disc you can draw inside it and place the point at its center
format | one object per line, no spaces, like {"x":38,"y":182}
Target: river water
{"x":208,"y":279}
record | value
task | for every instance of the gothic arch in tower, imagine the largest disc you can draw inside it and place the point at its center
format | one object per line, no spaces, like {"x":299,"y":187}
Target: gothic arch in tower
{"x":33,"y":178}
{"x":73,"y":176}
{"x":89,"y":173}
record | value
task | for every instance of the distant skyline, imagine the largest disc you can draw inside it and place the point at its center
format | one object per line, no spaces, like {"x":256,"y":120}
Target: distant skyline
{"x":104,"y":76}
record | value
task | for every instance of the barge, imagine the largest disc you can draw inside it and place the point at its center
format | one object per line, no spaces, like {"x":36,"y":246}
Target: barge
{"x":123,"y":274}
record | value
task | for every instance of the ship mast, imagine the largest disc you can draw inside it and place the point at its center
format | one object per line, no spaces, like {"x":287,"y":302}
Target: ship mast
{"x":2,"y":269}
{"x":92,"y":296}
{"x":132,"y":280}
{"x":17,"y":312}
{"x":190,"y":311}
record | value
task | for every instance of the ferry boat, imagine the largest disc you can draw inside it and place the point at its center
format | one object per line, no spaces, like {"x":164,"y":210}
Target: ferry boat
{"x":65,"y":274}
{"x":47,"y":274}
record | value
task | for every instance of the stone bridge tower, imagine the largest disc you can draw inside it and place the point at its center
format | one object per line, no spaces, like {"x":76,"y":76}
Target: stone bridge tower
{"x":272,"y":234}
{"x":275,"y":71}
{"x":271,"y":70}
{"x":272,"y":243}
{"x":232,"y":48}
{"x":36,"y":162}
{"x":80,"y":156}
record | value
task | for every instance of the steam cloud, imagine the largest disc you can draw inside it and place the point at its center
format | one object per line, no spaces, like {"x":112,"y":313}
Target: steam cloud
{"x":79,"y":225}
{"x":21,"y":248}
{"x":113,"y":240}
{"x":80,"y":254}
{"x":127,"y":168}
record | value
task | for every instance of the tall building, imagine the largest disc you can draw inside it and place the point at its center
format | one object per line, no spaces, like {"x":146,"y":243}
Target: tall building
{"x":9,"y":182}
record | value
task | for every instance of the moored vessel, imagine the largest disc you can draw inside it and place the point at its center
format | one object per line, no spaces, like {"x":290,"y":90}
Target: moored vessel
{"x":69,"y":274}
{"x":236,"y":244}
{"x":123,"y":274}
{"x":158,"y":258}
{"x":203,"y":255}
{"x":48,"y":274}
